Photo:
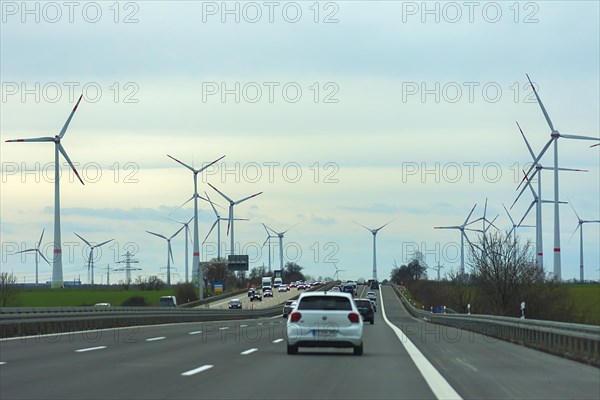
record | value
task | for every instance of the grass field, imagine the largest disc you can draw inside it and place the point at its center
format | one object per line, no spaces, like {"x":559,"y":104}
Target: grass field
{"x":46,"y":297}
{"x":586,"y":300}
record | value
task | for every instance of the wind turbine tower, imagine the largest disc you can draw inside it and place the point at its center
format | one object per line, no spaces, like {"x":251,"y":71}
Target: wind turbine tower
{"x":374,"y":233}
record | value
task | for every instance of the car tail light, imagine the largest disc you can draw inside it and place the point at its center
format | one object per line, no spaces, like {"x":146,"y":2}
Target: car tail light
{"x":295,"y":316}
{"x":354,"y":317}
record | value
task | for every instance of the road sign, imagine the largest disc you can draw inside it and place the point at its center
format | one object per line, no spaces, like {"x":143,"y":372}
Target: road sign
{"x":218,"y":288}
{"x":238,"y":262}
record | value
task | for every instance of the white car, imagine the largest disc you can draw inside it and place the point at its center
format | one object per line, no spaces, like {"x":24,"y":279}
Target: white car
{"x":371,"y":296}
{"x":282,"y":288}
{"x":325,"y":319}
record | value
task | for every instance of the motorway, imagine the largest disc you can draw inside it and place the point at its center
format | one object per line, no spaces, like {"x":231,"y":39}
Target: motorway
{"x":247,"y":360}
{"x":278,"y":298}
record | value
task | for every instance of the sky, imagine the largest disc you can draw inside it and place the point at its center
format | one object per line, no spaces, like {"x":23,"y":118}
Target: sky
{"x":339,"y":112}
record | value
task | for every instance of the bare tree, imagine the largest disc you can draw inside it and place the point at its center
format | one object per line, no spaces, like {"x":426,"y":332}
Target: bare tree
{"x":503,"y":269}
{"x":8,"y":288}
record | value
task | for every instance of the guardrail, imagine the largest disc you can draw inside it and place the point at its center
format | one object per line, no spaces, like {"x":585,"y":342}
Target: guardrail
{"x":575,"y":341}
{"x":22,"y":321}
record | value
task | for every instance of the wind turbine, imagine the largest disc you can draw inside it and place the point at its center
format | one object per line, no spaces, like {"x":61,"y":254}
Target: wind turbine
{"x":37,"y":253}
{"x":187,"y":231}
{"x":554,"y":136}
{"x":280,"y":236}
{"x":438,"y":269}
{"x":195,"y":196}
{"x":218,"y":224}
{"x":269,"y":237}
{"x":57,"y":270}
{"x":580,"y":223}
{"x":91,"y":258}
{"x":538,"y":208}
{"x":463,"y":236}
{"x":374,"y":232}
{"x":336,"y":276}
{"x":169,"y":252}
{"x":484,"y":220}
{"x":231,"y":218}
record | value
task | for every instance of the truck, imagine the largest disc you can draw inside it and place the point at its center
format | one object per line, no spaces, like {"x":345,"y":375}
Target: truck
{"x":266,"y":282}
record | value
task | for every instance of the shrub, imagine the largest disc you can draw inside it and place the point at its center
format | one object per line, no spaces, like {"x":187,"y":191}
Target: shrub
{"x":135,"y":301}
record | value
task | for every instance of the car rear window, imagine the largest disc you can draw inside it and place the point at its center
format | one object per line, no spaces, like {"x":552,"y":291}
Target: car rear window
{"x":325,"y":303}
{"x":362,"y":303}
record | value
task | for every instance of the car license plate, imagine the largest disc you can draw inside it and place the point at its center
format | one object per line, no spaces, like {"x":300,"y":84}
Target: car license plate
{"x":324,"y":332}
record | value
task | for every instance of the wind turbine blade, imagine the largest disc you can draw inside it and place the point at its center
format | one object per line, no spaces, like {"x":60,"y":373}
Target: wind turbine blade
{"x":594,"y":145}
{"x":40,"y":242}
{"x":25,"y":251}
{"x":64,"y":153}
{"x":575,"y":231}
{"x":211,"y":203}
{"x":267,"y":229}
{"x":187,"y":201}
{"x":469,"y":216}
{"x":570,"y":169}
{"x":290,"y":228}
{"x":541,"y":106}
{"x":45,"y":259}
{"x":579,"y":137}
{"x":538,"y":158}
{"x":246,"y":198}
{"x":203,"y":168}
{"x":103,"y":243}
{"x":211,"y":229}
{"x":526,"y":142}
{"x":64,"y":129}
{"x":526,"y":212}
{"x":485,"y":208}
{"x":266,"y":240}
{"x":492,"y":223}
{"x":41,"y":139}
{"x":221,"y":193}
{"x":511,"y":220}
{"x":171,"y":252}
{"x":85,"y":241}
{"x":573,"y":208}
{"x":182,"y":163}
{"x":446,"y":227}
{"x":157,"y":234}
{"x":384,"y":225}
{"x":176,"y":233}
{"x":362,"y":226}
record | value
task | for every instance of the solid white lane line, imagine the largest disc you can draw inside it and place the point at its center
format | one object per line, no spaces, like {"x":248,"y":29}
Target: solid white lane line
{"x":195,"y":332}
{"x":437,"y":383}
{"x":154,"y":339}
{"x":196,"y":370}
{"x":248,"y":351}
{"x":277,"y":340}
{"x":2,"y":362}
{"x":90,"y":349}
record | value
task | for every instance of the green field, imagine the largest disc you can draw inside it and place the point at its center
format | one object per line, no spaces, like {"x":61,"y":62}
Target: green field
{"x":46,"y":297}
{"x":586,"y":301}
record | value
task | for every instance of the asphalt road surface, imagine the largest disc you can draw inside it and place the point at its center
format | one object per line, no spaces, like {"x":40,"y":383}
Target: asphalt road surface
{"x":248,"y":360}
{"x":278,"y":298}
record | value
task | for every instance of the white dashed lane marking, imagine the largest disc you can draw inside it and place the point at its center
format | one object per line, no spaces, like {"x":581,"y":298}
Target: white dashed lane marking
{"x":90,"y":349}
{"x":248,"y":351}
{"x":154,"y":339}
{"x":196,"y":370}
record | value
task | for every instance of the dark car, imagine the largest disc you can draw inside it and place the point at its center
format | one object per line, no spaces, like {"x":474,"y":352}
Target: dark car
{"x":251,"y":292}
{"x":256,"y":296}
{"x":235,"y":303}
{"x":366,"y":310}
